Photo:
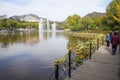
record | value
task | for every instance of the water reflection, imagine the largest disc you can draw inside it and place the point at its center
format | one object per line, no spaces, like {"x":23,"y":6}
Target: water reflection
{"x":31,"y":37}
{"x":30,"y":55}
{"x":7,"y":39}
{"x":74,"y":41}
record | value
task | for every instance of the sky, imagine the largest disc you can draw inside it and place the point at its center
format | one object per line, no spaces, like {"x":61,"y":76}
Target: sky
{"x":56,"y":10}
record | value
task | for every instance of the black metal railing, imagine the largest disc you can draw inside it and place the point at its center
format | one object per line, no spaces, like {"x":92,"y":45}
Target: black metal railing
{"x":73,"y":59}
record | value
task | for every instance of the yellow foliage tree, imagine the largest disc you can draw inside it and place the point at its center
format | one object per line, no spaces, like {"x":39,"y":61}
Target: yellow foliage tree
{"x":116,"y":16}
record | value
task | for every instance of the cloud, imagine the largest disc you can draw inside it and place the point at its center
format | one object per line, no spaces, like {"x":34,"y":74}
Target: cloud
{"x":52,"y":9}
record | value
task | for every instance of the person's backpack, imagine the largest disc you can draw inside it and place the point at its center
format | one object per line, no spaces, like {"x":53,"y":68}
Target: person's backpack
{"x":108,"y":38}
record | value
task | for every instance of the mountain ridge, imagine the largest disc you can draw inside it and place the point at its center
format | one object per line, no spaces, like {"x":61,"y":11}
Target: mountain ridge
{"x":95,"y":14}
{"x":22,"y":17}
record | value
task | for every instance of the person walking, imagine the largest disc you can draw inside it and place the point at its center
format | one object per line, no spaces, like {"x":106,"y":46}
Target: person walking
{"x":114,"y":42}
{"x":108,"y":38}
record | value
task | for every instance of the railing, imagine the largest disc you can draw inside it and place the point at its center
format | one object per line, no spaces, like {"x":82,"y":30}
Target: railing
{"x":119,"y":41}
{"x":75,"y":58}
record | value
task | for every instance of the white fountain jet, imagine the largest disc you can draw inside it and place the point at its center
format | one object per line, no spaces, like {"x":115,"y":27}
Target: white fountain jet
{"x":48,"y":25}
{"x":54,"y":30}
{"x":40,"y":25}
{"x":54,"y":26}
{"x":40,"y":30}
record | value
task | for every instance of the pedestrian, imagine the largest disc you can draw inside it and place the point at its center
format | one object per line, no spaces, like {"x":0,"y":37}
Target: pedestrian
{"x":108,"y":38}
{"x":114,"y":42}
{"x":111,"y":33}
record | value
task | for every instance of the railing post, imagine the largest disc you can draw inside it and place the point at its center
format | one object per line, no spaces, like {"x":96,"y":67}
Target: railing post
{"x":102,"y":40}
{"x":119,"y":41}
{"x":69,"y":72}
{"x":90,"y":50}
{"x":97,"y":43}
{"x":56,"y":69}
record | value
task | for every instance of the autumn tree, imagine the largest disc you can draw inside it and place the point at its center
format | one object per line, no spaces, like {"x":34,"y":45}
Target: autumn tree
{"x":86,"y":23}
{"x":73,"y":22}
{"x":113,"y":12}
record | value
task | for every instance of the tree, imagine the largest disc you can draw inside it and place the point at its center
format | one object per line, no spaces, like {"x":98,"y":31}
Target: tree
{"x":1,"y":24}
{"x":4,"y":23}
{"x":73,"y":22}
{"x":116,"y":15}
{"x":113,"y":12}
{"x":86,"y":22}
{"x":96,"y":22}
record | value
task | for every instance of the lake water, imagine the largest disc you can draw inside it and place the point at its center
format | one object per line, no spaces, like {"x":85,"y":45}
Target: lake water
{"x":31,"y":55}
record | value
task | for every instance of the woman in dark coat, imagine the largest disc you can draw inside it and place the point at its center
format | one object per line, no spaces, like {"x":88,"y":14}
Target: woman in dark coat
{"x":114,"y":42}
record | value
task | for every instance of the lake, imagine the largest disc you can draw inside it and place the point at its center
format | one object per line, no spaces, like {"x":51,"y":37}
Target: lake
{"x":30,"y":55}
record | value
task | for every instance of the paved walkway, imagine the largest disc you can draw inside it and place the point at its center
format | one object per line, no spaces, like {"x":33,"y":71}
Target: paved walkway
{"x":102,"y":66}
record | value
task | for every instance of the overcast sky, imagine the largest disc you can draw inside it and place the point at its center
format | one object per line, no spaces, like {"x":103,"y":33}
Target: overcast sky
{"x":56,"y":10}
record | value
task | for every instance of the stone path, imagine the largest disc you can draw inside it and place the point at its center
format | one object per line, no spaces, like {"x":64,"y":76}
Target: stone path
{"x":102,"y":66}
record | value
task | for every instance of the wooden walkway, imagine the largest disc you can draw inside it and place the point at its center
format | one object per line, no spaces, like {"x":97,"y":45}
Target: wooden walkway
{"x":102,"y":66}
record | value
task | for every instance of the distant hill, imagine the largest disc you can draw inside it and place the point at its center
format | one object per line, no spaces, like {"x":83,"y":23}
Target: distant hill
{"x":36,"y":18}
{"x":95,"y":14}
{"x":28,"y":17}
{"x":3,"y":16}
{"x":16,"y":17}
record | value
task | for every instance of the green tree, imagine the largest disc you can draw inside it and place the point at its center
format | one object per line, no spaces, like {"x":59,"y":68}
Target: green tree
{"x":1,"y":24}
{"x":11,"y":24}
{"x":73,"y":22}
{"x":4,"y":23}
{"x":113,"y":12}
{"x":96,"y":22}
{"x":116,"y":15}
{"x":104,"y":22}
{"x":86,"y":23}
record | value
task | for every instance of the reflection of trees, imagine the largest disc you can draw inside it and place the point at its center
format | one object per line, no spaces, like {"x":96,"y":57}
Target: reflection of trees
{"x":74,"y":41}
{"x":60,"y":34}
{"x":47,"y":35}
{"x":20,"y":37}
